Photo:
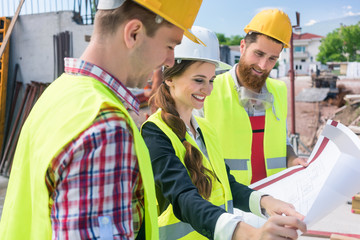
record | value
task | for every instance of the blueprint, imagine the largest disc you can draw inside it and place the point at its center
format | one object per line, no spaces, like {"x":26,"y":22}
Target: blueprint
{"x":332,"y":177}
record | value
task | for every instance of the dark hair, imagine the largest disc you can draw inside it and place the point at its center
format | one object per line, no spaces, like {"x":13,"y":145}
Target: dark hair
{"x":107,"y":21}
{"x":252,"y":37}
{"x":193,"y":157}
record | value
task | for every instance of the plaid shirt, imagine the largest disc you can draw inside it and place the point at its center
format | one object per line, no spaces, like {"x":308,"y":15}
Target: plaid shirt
{"x":97,"y":174}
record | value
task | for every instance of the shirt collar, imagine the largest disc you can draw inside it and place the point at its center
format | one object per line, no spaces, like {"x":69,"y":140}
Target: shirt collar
{"x":196,"y":127}
{"x":81,"y":67}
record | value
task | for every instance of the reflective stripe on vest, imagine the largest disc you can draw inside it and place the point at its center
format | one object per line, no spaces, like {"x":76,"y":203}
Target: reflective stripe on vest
{"x":26,"y":212}
{"x":181,"y":229}
{"x":170,"y":226}
{"x":241,"y":164}
{"x":237,"y":164}
{"x":273,"y":163}
{"x":235,"y":132}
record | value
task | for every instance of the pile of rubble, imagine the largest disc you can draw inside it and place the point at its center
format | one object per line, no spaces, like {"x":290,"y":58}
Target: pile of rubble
{"x":349,"y":114}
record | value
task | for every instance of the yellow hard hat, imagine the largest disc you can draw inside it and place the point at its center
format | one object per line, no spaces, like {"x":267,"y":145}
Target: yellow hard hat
{"x":273,"y":23}
{"x":181,"y":13}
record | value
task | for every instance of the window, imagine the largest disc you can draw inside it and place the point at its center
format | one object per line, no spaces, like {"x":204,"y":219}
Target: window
{"x":299,"y":49}
{"x":303,"y":60}
{"x":236,"y":59}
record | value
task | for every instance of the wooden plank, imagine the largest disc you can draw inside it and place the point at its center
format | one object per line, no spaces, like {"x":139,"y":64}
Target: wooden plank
{"x":355,"y":204}
{"x":357,"y":196}
{"x":8,"y":33}
{"x":355,"y":129}
{"x":352,"y":98}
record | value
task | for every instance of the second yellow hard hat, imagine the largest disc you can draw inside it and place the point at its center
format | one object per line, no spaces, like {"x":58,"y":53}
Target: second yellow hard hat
{"x":273,"y":23}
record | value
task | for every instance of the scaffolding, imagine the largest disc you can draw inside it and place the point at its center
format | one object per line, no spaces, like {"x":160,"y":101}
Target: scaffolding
{"x":84,"y":10}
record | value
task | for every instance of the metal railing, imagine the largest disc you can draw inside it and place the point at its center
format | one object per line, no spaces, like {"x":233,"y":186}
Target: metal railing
{"x":83,"y":9}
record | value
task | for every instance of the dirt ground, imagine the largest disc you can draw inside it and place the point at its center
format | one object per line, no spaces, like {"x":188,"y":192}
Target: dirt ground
{"x":310,"y":117}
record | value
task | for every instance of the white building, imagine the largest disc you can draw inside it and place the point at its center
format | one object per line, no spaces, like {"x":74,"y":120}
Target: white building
{"x":306,"y":48}
{"x":234,"y":54}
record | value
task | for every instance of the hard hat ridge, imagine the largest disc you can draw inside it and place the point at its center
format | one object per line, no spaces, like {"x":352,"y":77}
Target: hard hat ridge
{"x":273,"y":23}
{"x":188,"y":50}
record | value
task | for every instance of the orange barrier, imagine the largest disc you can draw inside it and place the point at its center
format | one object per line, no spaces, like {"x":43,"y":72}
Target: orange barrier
{"x":4,"y":63}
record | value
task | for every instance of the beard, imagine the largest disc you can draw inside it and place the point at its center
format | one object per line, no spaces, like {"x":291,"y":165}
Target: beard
{"x":248,"y":78}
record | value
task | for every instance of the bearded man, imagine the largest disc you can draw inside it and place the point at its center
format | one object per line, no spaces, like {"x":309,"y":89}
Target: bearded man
{"x":249,"y":109}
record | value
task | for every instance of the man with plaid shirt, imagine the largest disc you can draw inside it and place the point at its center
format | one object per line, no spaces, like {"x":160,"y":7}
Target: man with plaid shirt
{"x":81,"y":169}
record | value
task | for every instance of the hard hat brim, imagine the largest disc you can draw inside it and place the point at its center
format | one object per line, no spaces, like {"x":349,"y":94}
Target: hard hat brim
{"x":187,"y":32}
{"x":286,"y":45}
{"x":219,"y":64}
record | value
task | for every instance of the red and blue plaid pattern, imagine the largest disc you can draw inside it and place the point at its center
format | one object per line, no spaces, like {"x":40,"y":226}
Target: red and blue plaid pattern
{"x":97,"y":174}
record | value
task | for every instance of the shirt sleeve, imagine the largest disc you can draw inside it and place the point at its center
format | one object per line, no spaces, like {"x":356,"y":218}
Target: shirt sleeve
{"x":226,"y":225}
{"x":97,"y":176}
{"x":174,"y":186}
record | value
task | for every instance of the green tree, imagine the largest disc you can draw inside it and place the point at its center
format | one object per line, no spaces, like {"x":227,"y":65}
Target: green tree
{"x":351,"y":38}
{"x":340,"y":45}
{"x":233,"y":40}
{"x":222,"y":38}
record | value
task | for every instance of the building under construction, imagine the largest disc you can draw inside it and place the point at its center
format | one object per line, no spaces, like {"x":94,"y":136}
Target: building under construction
{"x":43,"y":34}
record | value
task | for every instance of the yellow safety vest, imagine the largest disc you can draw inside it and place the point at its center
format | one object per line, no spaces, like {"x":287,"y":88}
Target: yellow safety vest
{"x":223,"y":110}
{"x":171,"y":227}
{"x":66,"y":108}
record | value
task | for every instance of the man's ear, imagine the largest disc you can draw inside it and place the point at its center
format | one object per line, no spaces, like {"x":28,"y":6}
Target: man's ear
{"x":133,"y":32}
{"x":242,"y":46}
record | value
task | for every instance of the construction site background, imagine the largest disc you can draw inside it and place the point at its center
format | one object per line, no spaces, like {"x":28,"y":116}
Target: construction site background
{"x":39,"y":43}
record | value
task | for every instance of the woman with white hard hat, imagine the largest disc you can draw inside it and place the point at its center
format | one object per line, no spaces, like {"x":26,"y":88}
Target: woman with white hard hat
{"x":196,"y":193}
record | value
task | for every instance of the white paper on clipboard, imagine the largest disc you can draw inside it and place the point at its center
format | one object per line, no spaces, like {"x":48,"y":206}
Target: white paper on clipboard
{"x":332,"y":177}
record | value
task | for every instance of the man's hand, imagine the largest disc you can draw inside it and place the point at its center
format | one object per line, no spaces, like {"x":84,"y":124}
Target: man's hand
{"x":293,"y":159}
{"x":298,"y":161}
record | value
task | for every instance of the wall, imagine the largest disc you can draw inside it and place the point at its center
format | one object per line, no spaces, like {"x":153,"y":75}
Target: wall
{"x":353,"y":70}
{"x":32,"y":47}
{"x":234,"y":54}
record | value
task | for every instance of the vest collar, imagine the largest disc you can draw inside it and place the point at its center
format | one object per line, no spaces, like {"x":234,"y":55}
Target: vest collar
{"x":81,"y":67}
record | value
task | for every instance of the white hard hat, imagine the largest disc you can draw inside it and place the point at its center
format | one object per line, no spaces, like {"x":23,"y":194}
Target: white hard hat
{"x":109,"y":4}
{"x":188,"y":50}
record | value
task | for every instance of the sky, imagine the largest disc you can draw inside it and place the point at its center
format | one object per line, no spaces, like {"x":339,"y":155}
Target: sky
{"x":230,"y":16}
